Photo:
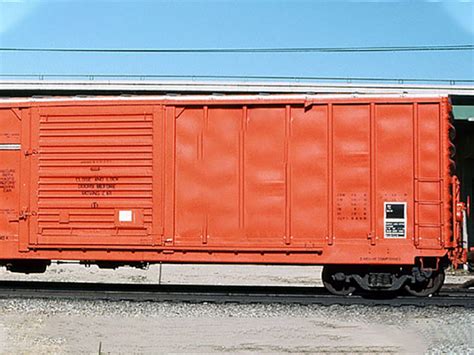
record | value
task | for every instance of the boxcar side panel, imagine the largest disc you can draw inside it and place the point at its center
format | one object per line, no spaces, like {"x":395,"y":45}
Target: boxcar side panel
{"x":223,"y":167}
{"x":351,"y":172}
{"x":189,"y":208}
{"x":309,"y":176}
{"x":429,"y":177}
{"x":10,"y":156}
{"x":394,"y":169}
{"x":264,"y":176}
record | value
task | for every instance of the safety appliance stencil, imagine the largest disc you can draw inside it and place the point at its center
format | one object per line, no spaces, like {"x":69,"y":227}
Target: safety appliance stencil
{"x":395,"y":219}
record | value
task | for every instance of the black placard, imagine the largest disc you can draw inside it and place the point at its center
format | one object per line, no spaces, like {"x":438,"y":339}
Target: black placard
{"x":394,"y":211}
{"x":395,"y":222}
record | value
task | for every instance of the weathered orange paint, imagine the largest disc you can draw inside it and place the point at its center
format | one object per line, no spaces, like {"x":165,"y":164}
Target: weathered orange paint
{"x":291,"y":179}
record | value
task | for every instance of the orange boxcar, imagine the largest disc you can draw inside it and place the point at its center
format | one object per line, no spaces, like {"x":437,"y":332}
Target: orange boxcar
{"x":361,"y":185}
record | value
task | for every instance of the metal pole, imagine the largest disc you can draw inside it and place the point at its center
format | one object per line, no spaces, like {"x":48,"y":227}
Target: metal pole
{"x":159,"y":274}
{"x":465,"y":236}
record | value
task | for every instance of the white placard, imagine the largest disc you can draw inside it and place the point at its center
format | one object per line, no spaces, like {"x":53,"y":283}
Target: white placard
{"x":395,"y":220}
{"x":125,"y":216}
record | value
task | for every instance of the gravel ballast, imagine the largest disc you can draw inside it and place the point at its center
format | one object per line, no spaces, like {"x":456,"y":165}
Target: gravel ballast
{"x":39,"y":326}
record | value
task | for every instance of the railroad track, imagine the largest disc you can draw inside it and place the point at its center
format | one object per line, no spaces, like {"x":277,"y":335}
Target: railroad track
{"x":449,"y":296}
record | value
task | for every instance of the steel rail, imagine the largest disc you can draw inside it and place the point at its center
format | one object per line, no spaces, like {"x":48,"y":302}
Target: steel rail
{"x":450,"y":295}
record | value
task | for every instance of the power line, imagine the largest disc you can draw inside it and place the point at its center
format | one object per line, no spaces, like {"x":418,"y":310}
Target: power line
{"x":236,"y":77}
{"x":456,"y":47}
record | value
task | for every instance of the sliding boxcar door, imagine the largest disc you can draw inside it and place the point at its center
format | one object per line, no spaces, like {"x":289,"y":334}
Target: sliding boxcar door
{"x":96,"y":175}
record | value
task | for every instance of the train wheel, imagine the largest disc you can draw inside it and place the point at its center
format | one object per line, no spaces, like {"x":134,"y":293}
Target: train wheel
{"x":428,"y":287}
{"x":333,"y":284}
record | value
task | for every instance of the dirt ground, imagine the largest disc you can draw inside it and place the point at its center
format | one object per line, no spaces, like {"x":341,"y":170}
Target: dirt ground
{"x":78,"y":327}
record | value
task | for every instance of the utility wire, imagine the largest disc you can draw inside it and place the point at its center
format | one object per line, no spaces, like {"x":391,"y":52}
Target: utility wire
{"x":457,"y":47}
{"x":240,"y":77}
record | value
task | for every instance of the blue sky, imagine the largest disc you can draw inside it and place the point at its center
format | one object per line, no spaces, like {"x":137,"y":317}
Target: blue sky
{"x":195,"y":24}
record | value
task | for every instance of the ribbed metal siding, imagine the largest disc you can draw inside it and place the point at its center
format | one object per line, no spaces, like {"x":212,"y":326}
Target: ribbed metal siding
{"x":92,"y":165}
